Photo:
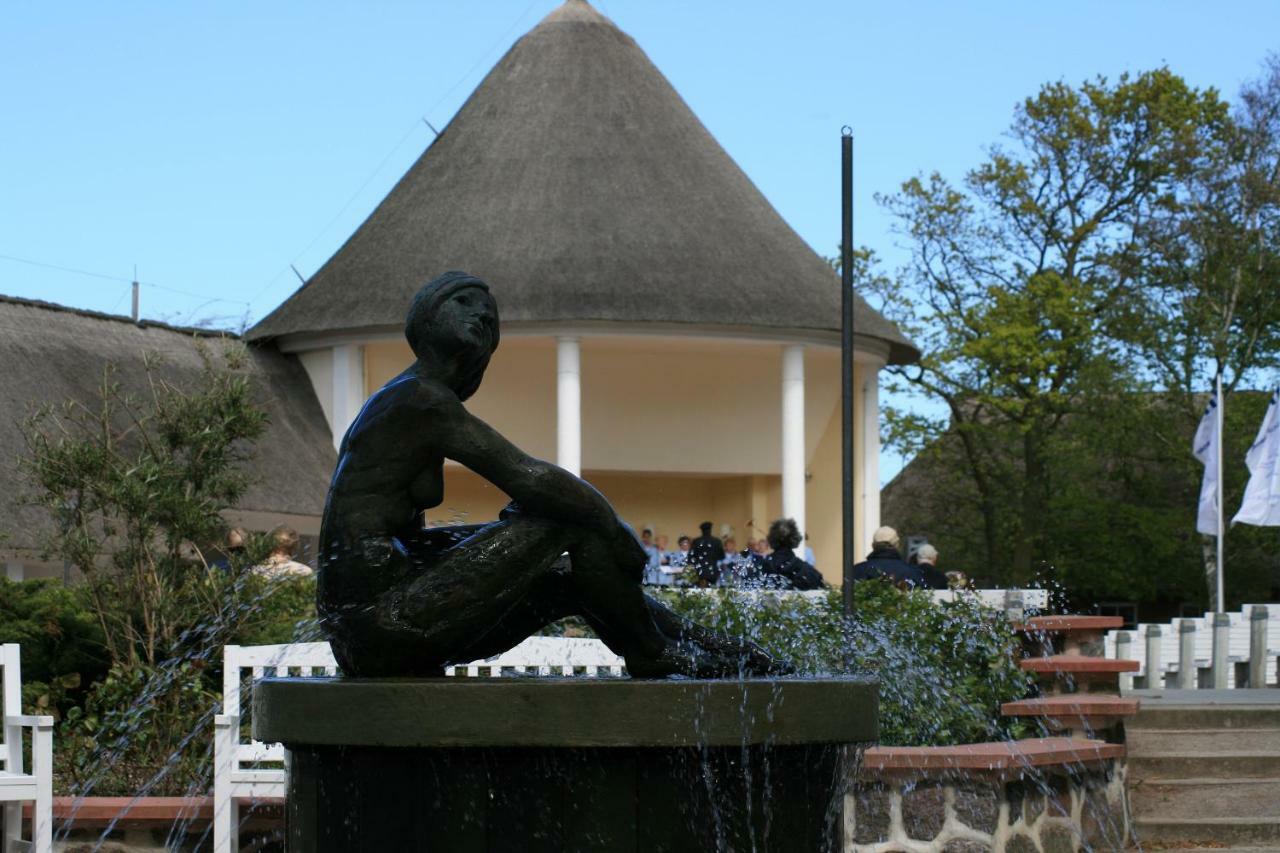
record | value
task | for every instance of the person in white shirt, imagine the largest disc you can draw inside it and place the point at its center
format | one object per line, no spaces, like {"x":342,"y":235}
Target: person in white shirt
{"x":280,"y":562}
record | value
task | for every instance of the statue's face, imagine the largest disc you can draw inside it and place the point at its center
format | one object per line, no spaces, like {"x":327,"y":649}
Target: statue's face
{"x":467,"y":319}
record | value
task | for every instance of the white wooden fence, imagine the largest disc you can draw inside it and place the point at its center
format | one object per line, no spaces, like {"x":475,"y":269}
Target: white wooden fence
{"x":1220,"y":651}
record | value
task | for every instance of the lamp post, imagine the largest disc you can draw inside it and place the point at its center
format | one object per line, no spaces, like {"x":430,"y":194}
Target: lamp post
{"x":846,"y":362}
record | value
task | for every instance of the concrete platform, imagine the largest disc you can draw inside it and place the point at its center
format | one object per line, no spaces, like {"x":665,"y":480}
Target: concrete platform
{"x":1262,"y":697}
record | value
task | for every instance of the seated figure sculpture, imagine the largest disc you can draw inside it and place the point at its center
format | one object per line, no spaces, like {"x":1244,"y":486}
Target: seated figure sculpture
{"x":398,"y":599}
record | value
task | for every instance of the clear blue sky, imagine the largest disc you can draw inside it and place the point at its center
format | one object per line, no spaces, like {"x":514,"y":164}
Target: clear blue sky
{"x":213,"y":145}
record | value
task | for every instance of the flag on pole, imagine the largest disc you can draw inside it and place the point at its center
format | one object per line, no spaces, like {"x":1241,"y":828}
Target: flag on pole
{"x":1205,"y":448}
{"x":1261,"y":505}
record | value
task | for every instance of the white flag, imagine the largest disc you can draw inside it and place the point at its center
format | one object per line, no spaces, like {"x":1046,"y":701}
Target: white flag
{"x":1205,"y":447}
{"x":1261,"y":504}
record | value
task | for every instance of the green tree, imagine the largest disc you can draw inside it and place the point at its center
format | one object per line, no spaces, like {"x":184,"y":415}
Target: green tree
{"x":1014,"y":278}
{"x":137,"y":486}
{"x":1208,"y":302}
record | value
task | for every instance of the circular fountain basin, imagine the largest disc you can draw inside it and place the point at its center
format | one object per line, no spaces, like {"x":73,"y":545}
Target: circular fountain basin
{"x":565,"y":764}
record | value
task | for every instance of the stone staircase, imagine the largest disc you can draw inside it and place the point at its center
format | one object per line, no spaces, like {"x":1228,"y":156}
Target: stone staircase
{"x":1079,"y":688}
{"x":1205,"y":773}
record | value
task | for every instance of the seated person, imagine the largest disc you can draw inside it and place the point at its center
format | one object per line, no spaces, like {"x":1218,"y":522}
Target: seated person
{"x":398,"y":599}
{"x":736,"y":569}
{"x":885,"y":561}
{"x":679,"y":558}
{"x":781,"y":568}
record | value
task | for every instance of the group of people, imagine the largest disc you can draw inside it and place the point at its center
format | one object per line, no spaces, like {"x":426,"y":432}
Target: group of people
{"x":708,"y":560}
{"x":281,"y":562}
{"x":919,"y":571}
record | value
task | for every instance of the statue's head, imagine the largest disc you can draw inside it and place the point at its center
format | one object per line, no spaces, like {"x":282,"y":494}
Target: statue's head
{"x":453,"y":319}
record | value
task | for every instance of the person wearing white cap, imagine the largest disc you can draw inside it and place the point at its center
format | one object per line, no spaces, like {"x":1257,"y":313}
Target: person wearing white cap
{"x":885,"y":561}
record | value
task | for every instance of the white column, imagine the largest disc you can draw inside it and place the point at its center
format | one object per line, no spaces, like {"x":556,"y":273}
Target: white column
{"x":13,"y":570}
{"x":793,"y":456}
{"x":348,"y":388}
{"x":870,"y":461}
{"x":569,"y":405}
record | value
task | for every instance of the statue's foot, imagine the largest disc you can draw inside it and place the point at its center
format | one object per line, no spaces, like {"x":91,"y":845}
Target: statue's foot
{"x":693,"y":658}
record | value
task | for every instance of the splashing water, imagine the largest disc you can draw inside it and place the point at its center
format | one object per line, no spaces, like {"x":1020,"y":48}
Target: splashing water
{"x":943,"y":671}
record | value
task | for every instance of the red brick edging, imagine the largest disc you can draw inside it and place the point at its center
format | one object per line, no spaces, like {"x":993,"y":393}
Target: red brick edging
{"x":996,"y":756}
{"x":133,"y":811}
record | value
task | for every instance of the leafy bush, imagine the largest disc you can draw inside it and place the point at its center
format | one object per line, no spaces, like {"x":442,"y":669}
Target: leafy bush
{"x":142,"y":731}
{"x":136,"y":729}
{"x":62,"y":642}
{"x":944,"y":669}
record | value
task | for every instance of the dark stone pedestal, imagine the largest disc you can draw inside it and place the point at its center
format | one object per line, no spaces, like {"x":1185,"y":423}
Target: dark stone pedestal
{"x":523,"y":764}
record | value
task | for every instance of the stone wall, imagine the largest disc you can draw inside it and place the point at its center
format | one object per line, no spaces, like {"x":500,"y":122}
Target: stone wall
{"x":1055,"y":809}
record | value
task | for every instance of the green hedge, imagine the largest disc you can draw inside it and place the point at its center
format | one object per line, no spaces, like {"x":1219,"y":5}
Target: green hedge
{"x":944,"y":669}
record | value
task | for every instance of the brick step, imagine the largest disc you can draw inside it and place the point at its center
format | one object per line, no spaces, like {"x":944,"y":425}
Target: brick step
{"x":1074,"y":710}
{"x":1175,"y":765}
{"x":1196,"y":798}
{"x":1069,"y":624}
{"x":1016,"y":755}
{"x":1154,"y":742}
{"x":1073,"y":635}
{"x":1220,"y":831}
{"x":1078,"y":665}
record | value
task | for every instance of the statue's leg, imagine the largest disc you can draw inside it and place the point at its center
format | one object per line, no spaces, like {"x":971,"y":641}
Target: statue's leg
{"x":614,"y":603}
{"x":740,"y":656}
{"x":488,"y":592}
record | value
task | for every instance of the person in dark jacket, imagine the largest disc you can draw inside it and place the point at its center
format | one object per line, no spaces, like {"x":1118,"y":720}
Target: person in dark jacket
{"x":781,"y":568}
{"x":705,"y":555}
{"x":885,"y":561}
{"x":927,"y":560}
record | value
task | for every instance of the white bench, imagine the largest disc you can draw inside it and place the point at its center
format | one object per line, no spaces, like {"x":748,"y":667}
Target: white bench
{"x":17,"y":786}
{"x":239,"y":773}
{"x":1165,"y":669}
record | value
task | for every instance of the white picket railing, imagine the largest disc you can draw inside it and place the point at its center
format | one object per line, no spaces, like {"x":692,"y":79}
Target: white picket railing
{"x":1222,"y":651}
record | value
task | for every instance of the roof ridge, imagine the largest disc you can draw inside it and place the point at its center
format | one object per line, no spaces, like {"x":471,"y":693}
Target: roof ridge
{"x":578,"y":11}
{"x":117,"y":318}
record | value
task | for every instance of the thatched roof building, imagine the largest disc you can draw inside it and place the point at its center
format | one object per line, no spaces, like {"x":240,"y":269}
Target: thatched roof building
{"x":579,"y":184}
{"x":52,"y":354}
{"x":666,"y":334}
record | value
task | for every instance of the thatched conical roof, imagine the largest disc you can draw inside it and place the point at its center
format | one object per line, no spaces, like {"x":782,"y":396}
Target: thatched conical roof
{"x":578,"y":183}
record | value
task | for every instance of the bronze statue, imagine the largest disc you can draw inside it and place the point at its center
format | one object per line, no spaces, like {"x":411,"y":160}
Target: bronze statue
{"x":398,"y":599}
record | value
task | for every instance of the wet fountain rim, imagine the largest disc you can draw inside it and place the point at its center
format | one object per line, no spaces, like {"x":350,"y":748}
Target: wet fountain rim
{"x":564,"y":712}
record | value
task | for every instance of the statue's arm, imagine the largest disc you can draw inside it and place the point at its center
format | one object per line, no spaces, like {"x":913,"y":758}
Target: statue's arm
{"x":537,"y":486}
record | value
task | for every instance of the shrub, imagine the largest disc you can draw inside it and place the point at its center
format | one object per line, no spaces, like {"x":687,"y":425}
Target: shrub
{"x":142,"y":731}
{"x":944,"y":669}
{"x":62,"y":643}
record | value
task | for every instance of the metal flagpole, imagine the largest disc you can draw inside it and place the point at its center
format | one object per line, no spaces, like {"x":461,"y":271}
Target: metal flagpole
{"x":1221,"y":496}
{"x":846,"y":360}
